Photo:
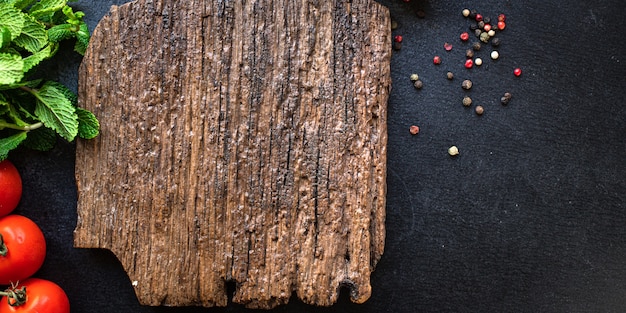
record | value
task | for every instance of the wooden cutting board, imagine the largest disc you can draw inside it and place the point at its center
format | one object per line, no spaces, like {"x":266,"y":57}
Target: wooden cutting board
{"x":241,"y":141}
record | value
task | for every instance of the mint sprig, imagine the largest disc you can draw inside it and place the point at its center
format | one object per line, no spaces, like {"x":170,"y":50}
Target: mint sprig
{"x":33,"y":112}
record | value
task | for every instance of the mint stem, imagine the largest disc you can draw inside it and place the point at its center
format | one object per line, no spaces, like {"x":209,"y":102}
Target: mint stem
{"x":28,"y":127}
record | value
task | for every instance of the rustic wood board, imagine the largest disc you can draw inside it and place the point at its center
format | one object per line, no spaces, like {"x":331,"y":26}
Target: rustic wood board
{"x":241,"y":141}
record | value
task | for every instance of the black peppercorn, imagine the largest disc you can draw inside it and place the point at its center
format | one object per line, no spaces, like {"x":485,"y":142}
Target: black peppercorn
{"x":421,"y":13}
{"x":397,"y":45}
{"x":477,"y":32}
{"x":506,"y":98}
{"x":473,"y":26}
{"x":469,"y":53}
{"x":418,"y":84}
{"x":487,"y":20}
{"x":495,"y":41}
{"x":476,"y":46}
{"x":450,"y":75}
{"x":467,"y":84}
{"x":473,"y":14}
{"x":481,"y":24}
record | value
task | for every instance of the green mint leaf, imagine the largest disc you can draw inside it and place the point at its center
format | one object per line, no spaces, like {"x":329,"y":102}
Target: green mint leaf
{"x":12,"y":19}
{"x":35,"y":58}
{"x":33,"y":37}
{"x":56,"y":111}
{"x":5,"y":106}
{"x":9,"y":143}
{"x":82,"y":39}
{"x":30,"y":84}
{"x":11,"y":68}
{"x":60,"y":32}
{"x":88,"y":125}
{"x":22,"y":4}
{"x":5,"y":37}
{"x":67,"y":93}
{"x":41,"y":139}
{"x":45,"y":9}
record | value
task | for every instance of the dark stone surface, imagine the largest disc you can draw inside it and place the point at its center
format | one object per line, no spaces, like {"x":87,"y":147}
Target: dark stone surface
{"x":530,"y":217}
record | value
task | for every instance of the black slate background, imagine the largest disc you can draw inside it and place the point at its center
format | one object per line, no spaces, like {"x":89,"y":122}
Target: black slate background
{"x":531,"y":217}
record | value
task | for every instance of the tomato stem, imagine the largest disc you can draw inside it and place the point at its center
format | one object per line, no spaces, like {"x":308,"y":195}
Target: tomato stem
{"x":3,"y":247}
{"x":15,"y":296}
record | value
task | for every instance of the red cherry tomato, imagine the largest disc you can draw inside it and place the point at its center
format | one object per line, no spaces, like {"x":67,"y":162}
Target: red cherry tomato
{"x":42,"y":296}
{"x":25,"y":248}
{"x":10,"y":187}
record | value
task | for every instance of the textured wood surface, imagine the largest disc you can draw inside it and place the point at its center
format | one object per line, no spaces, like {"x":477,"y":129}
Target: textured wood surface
{"x":241,"y":141}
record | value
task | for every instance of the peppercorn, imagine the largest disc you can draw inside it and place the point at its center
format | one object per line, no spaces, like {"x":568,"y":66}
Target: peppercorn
{"x":418,"y":84}
{"x":453,"y":151}
{"x":473,"y":14}
{"x":397,"y":38}
{"x":450,"y":75}
{"x":394,"y":25}
{"x":478,"y":61}
{"x":479,"y":110}
{"x":414,"y":129}
{"x":464,"y":36}
{"x":473,"y":26}
{"x":467,"y":101}
{"x":421,"y":13}
{"x":491,"y":33}
{"x":501,"y":18}
{"x":397,"y":45}
{"x":487,"y":27}
{"x":495,"y":41}
{"x":481,"y":24}
{"x":469,"y":53}
{"x":508,"y":95}
{"x":437,"y":60}
{"x":447,"y":46}
{"x":478,"y":32}
{"x":467,"y":84}
{"x":478,"y":17}
{"x":476,"y":46}
{"x":484,"y":37}
{"x":466,"y":12}
{"x":501,"y":25}
{"x":414,"y":77}
{"x":487,"y":19}
{"x":469,"y":63}
{"x":495,"y":55}
{"x":517,"y":72}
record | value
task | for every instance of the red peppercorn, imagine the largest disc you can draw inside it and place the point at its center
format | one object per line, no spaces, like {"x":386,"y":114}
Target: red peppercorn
{"x":501,"y":25}
{"x":414,"y":129}
{"x":501,"y":18}
{"x":397,"y":38}
{"x":517,"y":72}
{"x":479,"y":17}
{"x":464,"y":36}
{"x":469,"y":63}
{"x":487,"y":27}
{"x":437,"y":60}
{"x":447,"y":46}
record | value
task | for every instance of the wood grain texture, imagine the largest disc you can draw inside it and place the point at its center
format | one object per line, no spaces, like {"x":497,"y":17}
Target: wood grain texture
{"x":241,"y":141}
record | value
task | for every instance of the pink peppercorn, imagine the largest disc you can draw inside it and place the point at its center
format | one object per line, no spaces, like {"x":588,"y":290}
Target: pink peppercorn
{"x":414,"y":129}
{"x":501,"y":25}
{"x":517,"y":72}
{"x":397,"y":38}
{"x":487,"y":27}
{"x":437,"y":60}
{"x":464,"y":36}
{"x":469,"y":63}
{"x":501,"y":18}
{"x":479,"y":17}
{"x":447,"y":46}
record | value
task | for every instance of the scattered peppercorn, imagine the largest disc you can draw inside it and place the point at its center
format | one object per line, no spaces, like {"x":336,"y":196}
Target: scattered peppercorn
{"x":397,"y":38}
{"x":450,"y":75}
{"x":397,"y":45}
{"x":466,"y":12}
{"x":469,"y":63}
{"x":487,"y":19}
{"x":479,"y":17}
{"x":464,"y":36}
{"x":491,"y":33}
{"x":447,"y":46}
{"x":501,"y":25}
{"x":506,"y":98}
{"x":481,"y":24}
{"x":479,"y":110}
{"x":469,"y":53}
{"x":414,"y":77}
{"x":478,"y":61}
{"x":467,"y":101}
{"x":437,"y":60}
{"x":473,"y":14}
{"x":495,"y":41}
{"x":394,"y":25}
{"x":473,"y":27}
{"x":414,"y":129}
{"x":476,"y":46}
{"x":487,"y":27}
{"x":453,"y":151}
{"x":421,"y":13}
{"x":466,"y":84}
{"x":501,"y":18}
{"x":484,"y":37}
{"x":517,"y":72}
{"x":495,"y":55}
{"x":508,"y":95}
{"x":477,"y":32}
{"x":418,"y":84}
